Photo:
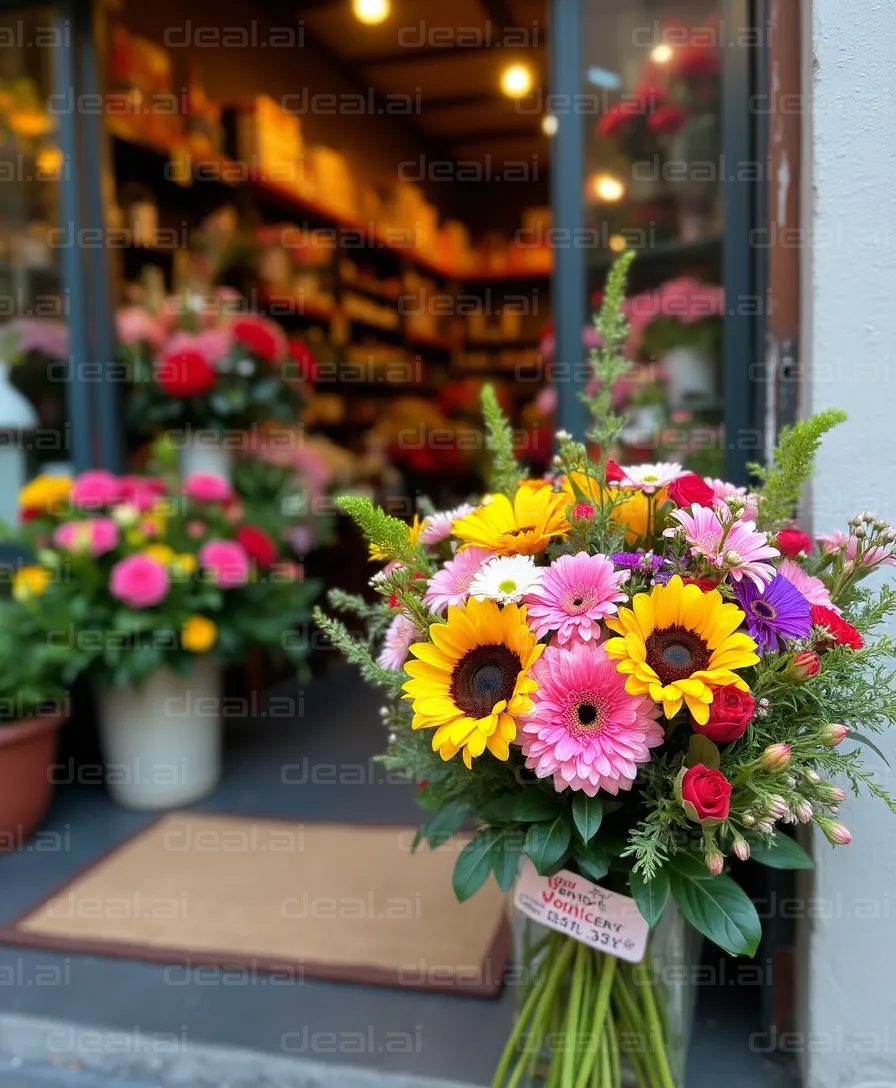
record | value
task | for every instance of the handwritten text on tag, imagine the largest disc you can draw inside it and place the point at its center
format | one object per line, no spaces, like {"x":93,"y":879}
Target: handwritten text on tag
{"x":573,"y":905}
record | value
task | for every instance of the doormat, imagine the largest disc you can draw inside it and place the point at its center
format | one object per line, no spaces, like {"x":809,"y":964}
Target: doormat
{"x":345,"y":902}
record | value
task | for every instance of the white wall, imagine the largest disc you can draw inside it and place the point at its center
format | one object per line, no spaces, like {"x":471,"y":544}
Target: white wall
{"x":848,"y":969}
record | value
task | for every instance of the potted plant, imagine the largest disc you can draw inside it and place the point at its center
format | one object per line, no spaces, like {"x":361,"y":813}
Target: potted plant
{"x":208,"y":378}
{"x":34,"y":704}
{"x":159,"y":586}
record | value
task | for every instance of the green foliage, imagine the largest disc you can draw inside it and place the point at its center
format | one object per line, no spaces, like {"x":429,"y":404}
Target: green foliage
{"x":473,"y":866}
{"x":389,"y":536}
{"x":506,"y":471}
{"x":609,"y":360}
{"x":782,"y":481}
{"x":781,"y":852}
{"x":547,"y":843}
{"x":715,"y":906}
{"x":587,"y":814}
{"x":650,"y":895}
{"x":358,"y":653}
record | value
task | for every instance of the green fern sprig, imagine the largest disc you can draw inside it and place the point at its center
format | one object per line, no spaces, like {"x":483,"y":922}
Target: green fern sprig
{"x":389,"y":536}
{"x":506,"y":470}
{"x":359,"y":654}
{"x":792,"y":464}
{"x":609,"y":360}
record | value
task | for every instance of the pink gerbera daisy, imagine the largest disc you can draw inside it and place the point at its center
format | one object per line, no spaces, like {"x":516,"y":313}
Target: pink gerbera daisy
{"x":812,"y":588}
{"x":737,"y":547}
{"x":397,"y":641}
{"x":576,"y":593}
{"x":584,"y":728}
{"x":451,"y":585}
{"x":437,"y":527}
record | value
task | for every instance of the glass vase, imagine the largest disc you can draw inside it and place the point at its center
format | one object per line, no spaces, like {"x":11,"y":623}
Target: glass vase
{"x":594,"y":1021}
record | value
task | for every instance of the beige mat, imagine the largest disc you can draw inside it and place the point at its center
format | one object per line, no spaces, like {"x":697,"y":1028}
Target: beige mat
{"x":336,"y":901}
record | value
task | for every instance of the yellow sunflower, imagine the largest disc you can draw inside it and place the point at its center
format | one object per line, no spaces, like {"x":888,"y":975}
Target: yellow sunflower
{"x":45,"y":494}
{"x":471,"y":682}
{"x":523,"y":527}
{"x":678,"y":644}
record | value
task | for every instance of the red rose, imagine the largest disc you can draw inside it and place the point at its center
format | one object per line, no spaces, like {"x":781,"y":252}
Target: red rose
{"x":841,"y":632}
{"x":706,"y":584}
{"x":257,"y":544}
{"x":184,"y":374}
{"x":666,"y":119}
{"x":258,"y":337}
{"x":806,"y":664}
{"x":617,"y":118}
{"x":690,"y":489}
{"x":793,"y":541}
{"x":729,"y":714}
{"x":305,"y":360}
{"x":705,"y":794}
{"x":614,"y":473}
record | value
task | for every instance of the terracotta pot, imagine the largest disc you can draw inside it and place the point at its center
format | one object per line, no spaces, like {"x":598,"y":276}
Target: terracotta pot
{"x":27,"y":750}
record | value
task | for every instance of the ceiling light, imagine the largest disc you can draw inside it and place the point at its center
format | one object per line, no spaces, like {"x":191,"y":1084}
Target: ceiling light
{"x":608,"y":188}
{"x":661,"y":54}
{"x":517,"y":80}
{"x":549,"y":124}
{"x":617,"y":243}
{"x":370,"y":12}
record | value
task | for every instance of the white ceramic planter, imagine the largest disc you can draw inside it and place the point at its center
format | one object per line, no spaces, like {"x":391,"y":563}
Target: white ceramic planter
{"x":162,"y":741}
{"x":691,"y":377}
{"x":202,"y":454}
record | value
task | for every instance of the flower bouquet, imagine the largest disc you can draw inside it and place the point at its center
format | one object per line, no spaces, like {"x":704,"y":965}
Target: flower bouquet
{"x":211,"y":379}
{"x":629,"y":680}
{"x":150,"y":590}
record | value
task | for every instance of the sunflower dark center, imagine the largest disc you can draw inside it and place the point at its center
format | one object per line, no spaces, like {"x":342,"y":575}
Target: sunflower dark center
{"x":484,"y":676}
{"x":763,"y":610}
{"x":675,"y":652}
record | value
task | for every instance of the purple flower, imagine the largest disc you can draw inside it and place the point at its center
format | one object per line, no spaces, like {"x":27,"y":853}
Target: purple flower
{"x":645,"y":561}
{"x":774,"y":613}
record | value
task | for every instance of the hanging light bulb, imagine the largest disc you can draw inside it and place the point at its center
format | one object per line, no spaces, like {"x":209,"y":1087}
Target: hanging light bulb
{"x":661,"y":54}
{"x":370,"y":12}
{"x":549,"y":124}
{"x":517,"y":80}
{"x":607,"y":187}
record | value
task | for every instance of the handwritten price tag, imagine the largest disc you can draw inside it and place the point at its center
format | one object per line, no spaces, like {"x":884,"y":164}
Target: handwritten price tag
{"x":595,"y":916}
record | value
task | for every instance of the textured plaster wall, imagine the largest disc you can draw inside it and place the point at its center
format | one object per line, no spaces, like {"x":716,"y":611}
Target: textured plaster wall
{"x":848,"y":968}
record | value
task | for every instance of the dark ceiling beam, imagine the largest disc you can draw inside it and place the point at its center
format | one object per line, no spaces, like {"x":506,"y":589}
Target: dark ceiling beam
{"x":285,"y":11}
{"x":452,"y":101}
{"x":490,"y":135}
{"x":411,"y":54}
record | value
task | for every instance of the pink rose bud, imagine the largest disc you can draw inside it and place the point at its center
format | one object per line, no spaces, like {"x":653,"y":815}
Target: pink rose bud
{"x":715,"y":862}
{"x":742,"y":849}
{"x":806,"y":664}
{"x":804,"y":812}
{"x":830,"y":793}
{"x":831,"y":735}
{"x":777,"y":807}
{"x":583,"y":511}
{"x":836,"y":834}
{"x":776,"y":757}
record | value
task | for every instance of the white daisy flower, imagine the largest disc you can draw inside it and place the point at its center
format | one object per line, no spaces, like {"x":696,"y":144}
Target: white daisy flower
{"x":437,"y":527}
{"x":506,"y":579}
{"x":650,"y":478}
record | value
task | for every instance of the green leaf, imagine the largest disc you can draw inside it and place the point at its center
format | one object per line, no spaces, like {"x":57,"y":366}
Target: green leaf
{"x":783,"y":853}
{"x":692,"y":866}
{"x":500,"y":810}
{"x":702,"y":750}
{"x":533,"y":806}
{"x":593,"y":861}
{"x":587,"y":812}
{"x":507,"y":848}
{"x":869,"y":744}
{"x":650,"y":895}
{"x":547,"y":843}
{"x":718,"y":909}
{"x":445,"y":823}
{"x":473,"y":865}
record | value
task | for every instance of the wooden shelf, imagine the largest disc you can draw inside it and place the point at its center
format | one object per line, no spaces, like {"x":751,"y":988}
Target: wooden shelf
{"x":231,"y":173}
